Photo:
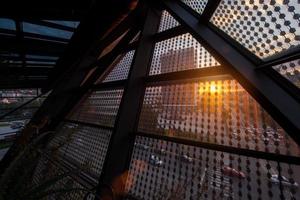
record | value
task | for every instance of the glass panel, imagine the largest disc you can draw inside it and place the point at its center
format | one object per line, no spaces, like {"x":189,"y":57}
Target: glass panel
{"x":263,"y":27}
{"x":7,"y":24}
{"x":44,"y":30}
{"x":121,"y":69}
{"x":10,"y":54}
{"x":291,"y":71}
{"x":165,"y":170}
{"x":41,"y":63}
{"x":213,"y":111}
{"x":167,"y":22}
{"x":180,"y":53}
{"x":82,"y":145}
{"x":197,"y":5}
{"x":100,"y":107}
{"x":42,"y":57}
{"x":72,"y":24}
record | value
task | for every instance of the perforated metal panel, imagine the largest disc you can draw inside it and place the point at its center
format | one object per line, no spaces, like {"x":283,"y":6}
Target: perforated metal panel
{"x":100,"y":107}
{"x":167,"y":22}
{"x":46,"y":172}
{"x":291,"y":71}
{"x":121,"y":69}
{"x":197,"y":5}
{"x":219,"y":111}
{"x":180,"y":53}
{"x":186,"y":172}
{"x":82,"y":145}
{"x":264,"y":27}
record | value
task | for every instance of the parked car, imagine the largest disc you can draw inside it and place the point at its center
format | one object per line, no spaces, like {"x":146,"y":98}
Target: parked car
{"x":265,"y":139}
{"x":17,"y":125}
{"x":142,"y":146}
{"x":155,"y":161}
{"x":186,"y":158}
{"x":235,"y":134}
{"x":160,"y":151}
{"x":275,"y":178}
{"x":233,"y":172}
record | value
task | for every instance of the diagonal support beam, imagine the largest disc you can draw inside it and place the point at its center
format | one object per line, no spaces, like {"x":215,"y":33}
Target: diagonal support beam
{"x":210,"y":8}
{"x":277,"y":101}
{"x":121,"y":145}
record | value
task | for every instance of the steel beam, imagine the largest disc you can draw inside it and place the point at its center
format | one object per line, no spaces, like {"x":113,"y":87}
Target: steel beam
{"x":88,"y":34}
{"x":78,"y":58}
{"x":4,"y":71}
{"x":11,"y":83}
{"x":13,"y":58}
{"x":280,"y":60}
{"x":167,"y":34}
{"x":277,"y":101}
{"x":228,"y":149}
{"x":209,"y":10}
{"x":188,"y":74}
{"x":31,"y":46}
{"x":55,"y":9}
{"x":109,"y":85}
{"x":121,"y":145}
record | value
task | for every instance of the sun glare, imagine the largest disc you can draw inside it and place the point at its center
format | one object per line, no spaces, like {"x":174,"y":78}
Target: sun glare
{"x":213,"y":88}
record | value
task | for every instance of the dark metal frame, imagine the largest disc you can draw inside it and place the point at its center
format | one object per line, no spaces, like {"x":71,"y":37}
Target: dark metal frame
{"x":122,"y":141}
{"x":270,"y":90}
{"x":228,"y":149}
{"x":283,"y":108}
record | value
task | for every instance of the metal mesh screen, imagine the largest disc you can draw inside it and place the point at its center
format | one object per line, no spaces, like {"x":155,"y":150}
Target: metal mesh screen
{"x":120,"y":71}
{"x":63,"y":185}
{"x":167,"y":22}
{"x":264,"y":27}
{"x":166,"y":170}
{"x":290,"y":70}
{"x":196,"y":5}
{"x":218,"y":111}
{"x":100,"y":107}
{"x":180,"y":53}
{"x":82,"y":145}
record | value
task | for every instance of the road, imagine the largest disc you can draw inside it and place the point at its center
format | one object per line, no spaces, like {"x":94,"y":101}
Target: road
{"x":203,"y":177}
{"x":7,"y":129}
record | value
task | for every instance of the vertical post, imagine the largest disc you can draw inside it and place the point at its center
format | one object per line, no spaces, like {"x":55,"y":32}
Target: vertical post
{"x":122,"y":141}
{"x":19,"y":36}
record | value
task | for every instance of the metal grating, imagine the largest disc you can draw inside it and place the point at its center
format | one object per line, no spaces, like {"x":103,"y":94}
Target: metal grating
{"x":46,"y":172}
{"x":165,"y":170}
{"x":263,"y":27}
{"x":196,"y":5}
{"x":167,"y":22}
{"x":290,"y":70}
{"x":82,"y":145}
{"x":180,"y":53}
{"x":120,"y":71}
{"x":218,"y":111}
{"x":100,"y":107}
